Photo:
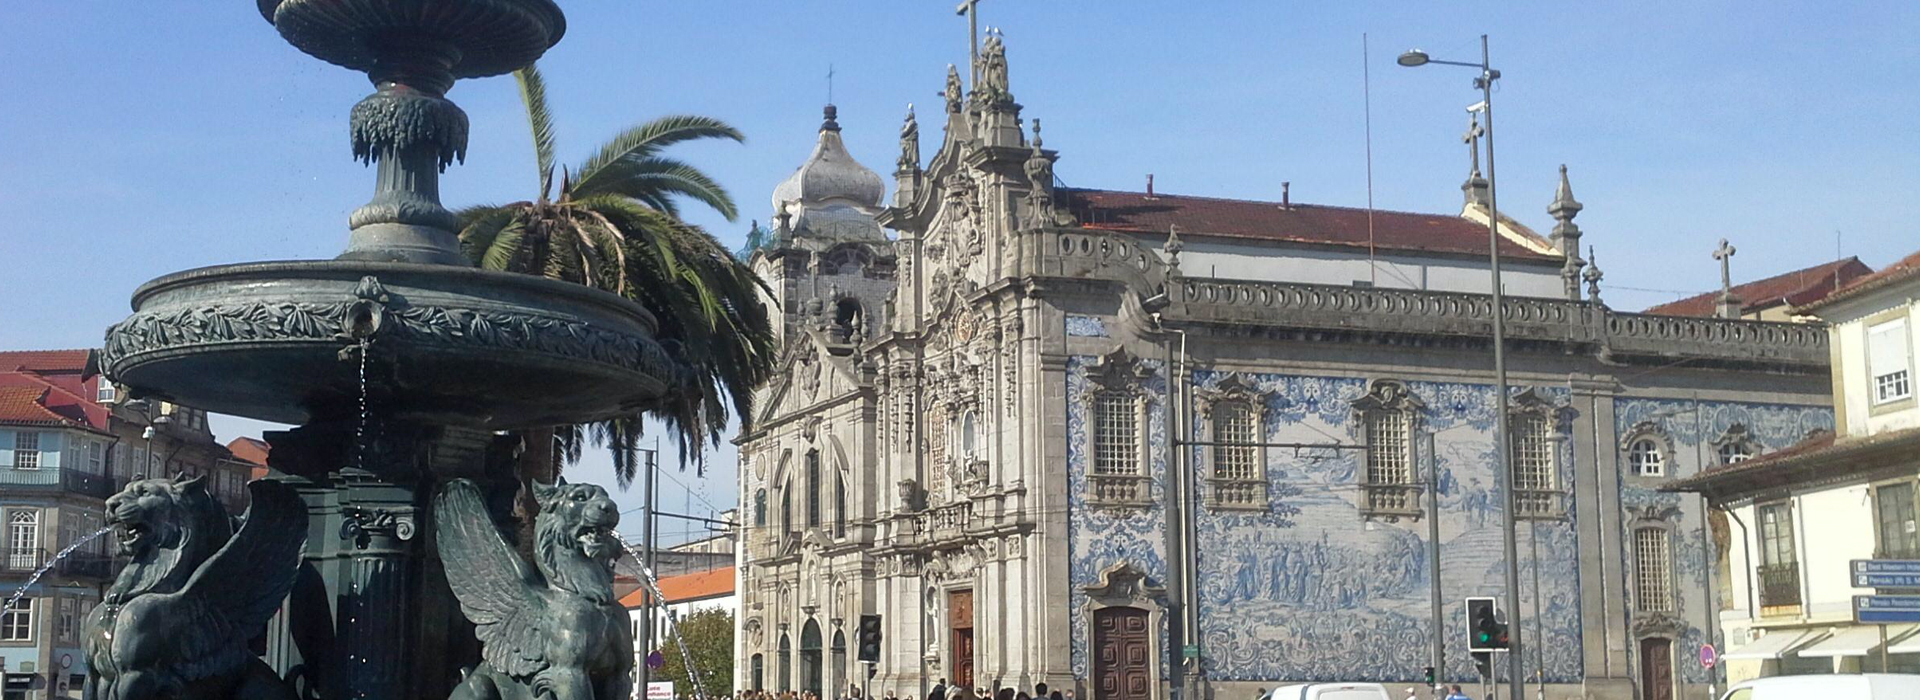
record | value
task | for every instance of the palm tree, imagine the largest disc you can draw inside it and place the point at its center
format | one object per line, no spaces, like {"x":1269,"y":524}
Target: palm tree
{"x":613,"y":223}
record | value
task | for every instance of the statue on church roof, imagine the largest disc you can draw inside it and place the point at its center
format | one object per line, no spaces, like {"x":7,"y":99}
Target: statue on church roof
{"x":994,"y":88}
{"x":910,"y":142}
{"x":953,"y":90}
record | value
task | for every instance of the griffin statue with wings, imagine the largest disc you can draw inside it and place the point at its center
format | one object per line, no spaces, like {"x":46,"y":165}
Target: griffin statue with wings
{"x":549,"y":631}
{"x":177,"y":621}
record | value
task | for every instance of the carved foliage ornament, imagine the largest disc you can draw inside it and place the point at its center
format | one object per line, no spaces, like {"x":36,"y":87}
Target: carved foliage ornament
{"x":1233,"y":388}
{"x":1118,"y":371}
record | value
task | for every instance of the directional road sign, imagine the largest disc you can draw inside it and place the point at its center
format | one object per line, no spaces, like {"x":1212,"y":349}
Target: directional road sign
{"x":1886,"y":573}
{"x":1886,"y":609}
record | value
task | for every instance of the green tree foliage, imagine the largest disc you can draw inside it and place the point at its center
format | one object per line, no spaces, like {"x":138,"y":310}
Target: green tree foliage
{"x":613,"y":223}
{"x":709,"y":638}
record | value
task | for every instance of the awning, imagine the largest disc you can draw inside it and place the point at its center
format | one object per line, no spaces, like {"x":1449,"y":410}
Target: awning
{"x":1776,"y":643}
{"x":1854,"y":641}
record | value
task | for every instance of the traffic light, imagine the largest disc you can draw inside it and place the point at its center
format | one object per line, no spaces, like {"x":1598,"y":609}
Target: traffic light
{"x":869,"y":638}
{"x":1483,"y":662}
{"x":1485,"y":632}
{"x":1429,"y":675}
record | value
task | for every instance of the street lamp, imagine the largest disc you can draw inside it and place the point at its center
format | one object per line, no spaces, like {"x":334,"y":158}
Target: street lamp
{"x":1502,"y":450}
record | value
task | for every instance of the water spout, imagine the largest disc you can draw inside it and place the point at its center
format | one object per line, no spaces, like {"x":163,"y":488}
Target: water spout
{"x":21,"y":592}
{"x":652,"y":584}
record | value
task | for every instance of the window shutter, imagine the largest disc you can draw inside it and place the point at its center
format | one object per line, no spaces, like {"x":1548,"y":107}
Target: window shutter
{"x":1887,"y":348}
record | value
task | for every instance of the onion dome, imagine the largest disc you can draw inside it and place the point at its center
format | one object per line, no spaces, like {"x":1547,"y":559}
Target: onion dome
{"x":831,"y":175}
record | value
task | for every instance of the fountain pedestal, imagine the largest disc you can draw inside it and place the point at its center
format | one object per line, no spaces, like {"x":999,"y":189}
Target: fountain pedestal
{"x":398,"y":359}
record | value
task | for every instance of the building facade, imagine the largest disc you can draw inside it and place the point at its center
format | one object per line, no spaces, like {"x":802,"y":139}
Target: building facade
{"x":1797,"y":519}
{"x":69,"y":440}
{"x":1149,"y":446}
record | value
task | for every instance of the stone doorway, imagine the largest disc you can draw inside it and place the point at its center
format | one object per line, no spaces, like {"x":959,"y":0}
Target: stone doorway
{"x":810,"y":661}
{"x":1656,"y":669}
{"x":960,"y":643}
{"x":1123,"y":657}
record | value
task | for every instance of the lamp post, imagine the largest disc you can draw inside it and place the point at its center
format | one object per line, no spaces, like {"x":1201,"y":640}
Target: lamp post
{"x":1501,"y":450}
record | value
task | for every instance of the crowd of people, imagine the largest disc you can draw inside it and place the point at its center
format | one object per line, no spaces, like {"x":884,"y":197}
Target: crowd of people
{"x":940,"y":691}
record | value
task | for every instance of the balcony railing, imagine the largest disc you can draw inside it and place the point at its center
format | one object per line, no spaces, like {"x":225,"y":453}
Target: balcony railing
{"x":1238,"y":494}
{"x":51,"y":480}
{"x":1392,"y":501}
{"x":1535,"y":504}
{"x":1118,"y":490}
{"x":77,"y":564}
{"x":1779,"y":584}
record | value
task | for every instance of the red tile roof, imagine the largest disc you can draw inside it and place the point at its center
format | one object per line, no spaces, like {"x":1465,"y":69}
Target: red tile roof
{"x":1295,"y":223}
{"x":46,"y":361}
{"x":1792,"y":289}
{"x":29,"y":405}
{"x":1907,"y":268}
{"x":699,"y":585}
{"x":252,"y":450}
{"x":1821,"y":455}
{"x":54,"y":395}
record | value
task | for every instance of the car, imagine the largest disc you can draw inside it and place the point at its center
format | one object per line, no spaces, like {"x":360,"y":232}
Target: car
{"x":1853,"y":686}
{"x":1328,"y":691}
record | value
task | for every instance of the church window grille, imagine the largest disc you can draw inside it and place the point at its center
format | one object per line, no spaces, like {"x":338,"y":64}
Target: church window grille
{"x":1116,"y":439}
{"x":1234,"y":432}
{"x":1532,"y":453}
{"x":1646,"y":458}
{"x":813,"y":488}
{"x":1389,"y":451}
{"x":1653,"y":569}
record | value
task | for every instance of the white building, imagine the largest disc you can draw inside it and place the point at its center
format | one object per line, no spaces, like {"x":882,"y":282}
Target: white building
{"x":1800,"y":515}
{"x":685,"y":595}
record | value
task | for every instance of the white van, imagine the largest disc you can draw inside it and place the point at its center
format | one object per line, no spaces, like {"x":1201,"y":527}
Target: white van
{"x":1329,"y":691}
{"x":1862,"y":686}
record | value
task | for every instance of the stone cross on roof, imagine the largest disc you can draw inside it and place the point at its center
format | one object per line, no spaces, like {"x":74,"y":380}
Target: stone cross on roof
{"x":971,"y":8}
{"x":1729,"y":306}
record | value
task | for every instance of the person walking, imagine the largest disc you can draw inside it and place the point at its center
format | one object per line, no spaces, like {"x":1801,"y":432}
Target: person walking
{"x":939,"y":691}
{"x":1453,"y":693}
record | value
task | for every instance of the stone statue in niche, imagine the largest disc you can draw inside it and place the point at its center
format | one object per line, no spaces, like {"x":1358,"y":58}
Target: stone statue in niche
{"x":550,"y":630}
{"x":177,"y":621}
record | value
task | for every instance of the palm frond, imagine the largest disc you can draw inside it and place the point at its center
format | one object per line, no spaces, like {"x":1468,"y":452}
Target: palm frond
{"x":646,"y":140}
{"x":658,"y":178}
{"x":505,"y":247}
{"x":533,"y":94}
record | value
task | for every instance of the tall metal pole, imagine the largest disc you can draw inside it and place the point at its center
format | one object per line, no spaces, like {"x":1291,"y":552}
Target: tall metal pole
{"x":1433,"y":556}
{"x":1502,"y":450}
{"x":646,"y":542}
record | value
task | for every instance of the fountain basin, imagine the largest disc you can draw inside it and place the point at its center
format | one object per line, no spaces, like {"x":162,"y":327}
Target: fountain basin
{"x":280,"y":341}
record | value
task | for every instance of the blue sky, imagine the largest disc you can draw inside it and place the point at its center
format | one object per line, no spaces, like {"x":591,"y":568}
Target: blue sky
{"x":142,"y":138}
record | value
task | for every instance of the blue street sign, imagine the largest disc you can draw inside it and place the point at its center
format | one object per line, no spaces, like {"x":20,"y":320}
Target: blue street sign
{"x":1886,"y":573}
{"x":1886,"y":609}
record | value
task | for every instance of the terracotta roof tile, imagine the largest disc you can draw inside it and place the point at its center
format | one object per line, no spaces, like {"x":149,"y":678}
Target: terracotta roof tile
{"x":58,"y":397}
{"x":45,"y":360}
{"x":1907,"y":268}
{"x":1792,"y":289}
{"x":251,"y":450}
{"x":1297,"y":223}
{"x":24,"y":405}
{"x":698,"y":585}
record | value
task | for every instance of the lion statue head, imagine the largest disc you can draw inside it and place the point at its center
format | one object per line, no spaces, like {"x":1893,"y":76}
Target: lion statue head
{"x":573,"y":537}
{"x":166,"y":528}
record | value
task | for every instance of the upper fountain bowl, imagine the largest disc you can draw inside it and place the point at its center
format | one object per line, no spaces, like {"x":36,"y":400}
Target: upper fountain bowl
{"x":281,"y":341}
{"x":474,"y":38}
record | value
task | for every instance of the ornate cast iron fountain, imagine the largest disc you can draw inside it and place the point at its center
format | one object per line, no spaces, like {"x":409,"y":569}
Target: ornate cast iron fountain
{"x":398,"y":361}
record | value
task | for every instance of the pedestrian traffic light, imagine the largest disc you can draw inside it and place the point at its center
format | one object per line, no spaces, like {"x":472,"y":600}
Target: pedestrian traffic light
{"x":1485,"y":632}
{"x":869,"y":638}
{"x":1429,"y":675}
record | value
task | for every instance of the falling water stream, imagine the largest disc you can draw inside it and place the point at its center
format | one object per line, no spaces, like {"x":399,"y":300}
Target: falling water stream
{"x":21,"y":592}
{"x":673,"y":622}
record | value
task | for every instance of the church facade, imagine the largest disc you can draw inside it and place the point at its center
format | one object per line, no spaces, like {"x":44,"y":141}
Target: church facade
{"x":1154,"y":446}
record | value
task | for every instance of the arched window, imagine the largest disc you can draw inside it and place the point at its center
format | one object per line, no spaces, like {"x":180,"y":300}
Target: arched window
{"x":760,"y":508}
{"x":786,"y":509}
{"x":1735,"y":453}
{"x":813,"y":488}
{"x":1736,"y":445}
{"x":786,"y":663}
{"x":757,"y":675}
{"x":1653,"y":570}
{"x":1646,"y":458}
{"x":968,"y":438}
{"x":23,"y":539}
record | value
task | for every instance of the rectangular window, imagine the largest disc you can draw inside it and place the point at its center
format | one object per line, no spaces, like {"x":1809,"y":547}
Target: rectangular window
{"x":17,"y":624}
{"x":1887,"y":361}
{"x":26,"y":450}
{"x":1116,"y":435}
{"x":1388,"y":459}
{"x":97,"y":457}
{"x":66,"y":619}
{"x":1532,"y":453}
{"x":104,"y":391}
{"x":1653,"y":574}
{"x":1893,"y":513}
{"x":813,"y":489}
{"x":1776,"y":534}
{"x":1234,"y":428}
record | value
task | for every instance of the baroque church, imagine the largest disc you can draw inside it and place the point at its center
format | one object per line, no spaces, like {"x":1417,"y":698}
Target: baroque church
{"x":1153,"y":446}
